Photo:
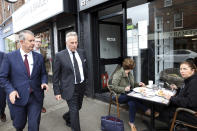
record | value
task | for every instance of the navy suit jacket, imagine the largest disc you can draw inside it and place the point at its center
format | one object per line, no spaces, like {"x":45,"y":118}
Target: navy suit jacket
{"x":14,"y":76}
{"x":1,"y":58}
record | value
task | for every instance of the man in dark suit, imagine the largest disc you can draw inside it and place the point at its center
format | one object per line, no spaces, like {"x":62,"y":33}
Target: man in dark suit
{"x":69,"y":78}
{"x":2,"y":96}
{"x":23,"y":75}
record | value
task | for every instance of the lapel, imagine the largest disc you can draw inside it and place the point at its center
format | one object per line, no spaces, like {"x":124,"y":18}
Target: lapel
{"x":35,"y":60}
{"x":80,"y":55}
{"x":68,"y":59}
{"x":21,"y":62}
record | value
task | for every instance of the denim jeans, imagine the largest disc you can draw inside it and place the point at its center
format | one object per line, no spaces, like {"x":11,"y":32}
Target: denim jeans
{"x":133,"y":105}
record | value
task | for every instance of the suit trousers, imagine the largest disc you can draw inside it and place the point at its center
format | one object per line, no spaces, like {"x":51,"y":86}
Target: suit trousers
{"x":75,"y":104}
{"x":32,"y":111}
{"x":2,"y":101}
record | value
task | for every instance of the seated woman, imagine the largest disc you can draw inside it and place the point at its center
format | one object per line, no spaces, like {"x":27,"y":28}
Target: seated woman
{"x":123,"y":81}
{"x":186,"y":96}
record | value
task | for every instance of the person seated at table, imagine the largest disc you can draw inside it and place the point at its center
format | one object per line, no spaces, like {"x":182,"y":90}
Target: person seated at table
{"x":123,"y":82}
{"x":186,"y":96}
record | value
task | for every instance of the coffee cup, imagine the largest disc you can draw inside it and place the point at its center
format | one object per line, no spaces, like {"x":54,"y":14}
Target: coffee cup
{"x":150,"y":83}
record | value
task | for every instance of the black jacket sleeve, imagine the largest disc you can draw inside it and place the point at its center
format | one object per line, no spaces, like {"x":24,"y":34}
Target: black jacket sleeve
{"x":187,"y":97}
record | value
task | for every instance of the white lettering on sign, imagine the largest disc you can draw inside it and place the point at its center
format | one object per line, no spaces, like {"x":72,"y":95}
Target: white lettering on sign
{"x":35,"y":11}
{"x":84,"y":2}
{"x":6,"y":30}
{"x":111,"y":39}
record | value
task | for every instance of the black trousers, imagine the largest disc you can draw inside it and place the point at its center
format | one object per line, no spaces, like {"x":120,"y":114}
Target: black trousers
{"x":75,"y":104}
{"x":2,"y":101}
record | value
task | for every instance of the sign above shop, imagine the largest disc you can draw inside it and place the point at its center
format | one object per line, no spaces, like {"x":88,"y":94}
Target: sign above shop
{"x":35,"y":11}
{"x":85,"y":4}
{"x":7,"y":30}
{"x":11,"y":1}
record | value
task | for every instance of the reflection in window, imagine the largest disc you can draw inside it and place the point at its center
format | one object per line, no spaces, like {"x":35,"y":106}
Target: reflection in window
{"x":167,"y":3}
{"x":178,"y":20}
{"x":137,"y":36}
{"x":10,"y":43}
{"x":137,"y":25}
{"x":46,"y":50}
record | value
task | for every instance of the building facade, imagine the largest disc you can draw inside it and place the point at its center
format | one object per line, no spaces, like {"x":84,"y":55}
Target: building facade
{"x":44,"y":19}
{"x":7,"y":40}
{"x":157,"y":34}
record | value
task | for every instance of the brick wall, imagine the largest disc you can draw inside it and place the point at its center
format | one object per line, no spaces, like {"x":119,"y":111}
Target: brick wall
{"x":6,"y":9}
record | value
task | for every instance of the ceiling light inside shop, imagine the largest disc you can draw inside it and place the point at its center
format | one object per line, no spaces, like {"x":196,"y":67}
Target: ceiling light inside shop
{"x":190,"y":35}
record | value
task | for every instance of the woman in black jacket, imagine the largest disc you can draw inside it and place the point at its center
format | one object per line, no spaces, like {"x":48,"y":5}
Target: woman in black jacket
{"x":187,"y":95}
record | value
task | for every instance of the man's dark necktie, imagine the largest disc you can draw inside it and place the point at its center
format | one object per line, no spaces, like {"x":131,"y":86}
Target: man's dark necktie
{"x":27,"y":65}
{"x":28,"y":70}
{"x":76,"y":67}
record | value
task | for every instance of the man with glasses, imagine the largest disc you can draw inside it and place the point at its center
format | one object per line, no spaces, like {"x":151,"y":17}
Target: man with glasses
{"x":38,"y":49}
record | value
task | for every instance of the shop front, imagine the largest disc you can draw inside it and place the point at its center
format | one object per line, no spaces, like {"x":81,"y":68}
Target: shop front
{"x":157,"y":34}
{"x":48,"y":19}
{"x":7,"y":38}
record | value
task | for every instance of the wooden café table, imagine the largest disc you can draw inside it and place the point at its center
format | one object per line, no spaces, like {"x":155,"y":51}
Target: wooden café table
{"x":153,"y":96}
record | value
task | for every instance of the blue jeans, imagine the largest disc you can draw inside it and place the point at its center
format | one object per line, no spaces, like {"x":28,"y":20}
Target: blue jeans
{"x":133,"y":105}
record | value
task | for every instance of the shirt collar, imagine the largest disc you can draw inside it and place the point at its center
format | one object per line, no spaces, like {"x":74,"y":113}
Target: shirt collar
{"x":23,"y":53}
{"x":70,"y":52}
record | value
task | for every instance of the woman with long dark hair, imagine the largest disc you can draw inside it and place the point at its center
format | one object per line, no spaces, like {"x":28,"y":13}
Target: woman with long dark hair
{"x":187,"y":94}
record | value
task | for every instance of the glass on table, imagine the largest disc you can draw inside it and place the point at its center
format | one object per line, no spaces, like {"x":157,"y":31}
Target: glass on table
{"x":155,"y":87}
{"x":161,"y":85}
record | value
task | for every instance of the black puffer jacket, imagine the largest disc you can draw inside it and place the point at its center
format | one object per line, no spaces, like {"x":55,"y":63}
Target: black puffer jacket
{"x":187,"y":96}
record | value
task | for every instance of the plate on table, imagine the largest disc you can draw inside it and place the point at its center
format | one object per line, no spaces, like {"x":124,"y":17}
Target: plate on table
{"x":144,"y":91}
{"x":141,"y":89}
{"x":163,"y":92}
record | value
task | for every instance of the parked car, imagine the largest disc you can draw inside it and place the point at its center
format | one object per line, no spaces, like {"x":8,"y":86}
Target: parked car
{"x":177,"y":56}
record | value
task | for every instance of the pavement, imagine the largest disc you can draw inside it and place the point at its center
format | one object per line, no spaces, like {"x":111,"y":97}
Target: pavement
{"x":90,"y":115}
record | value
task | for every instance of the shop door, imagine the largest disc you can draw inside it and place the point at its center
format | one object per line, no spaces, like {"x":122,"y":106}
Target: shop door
{"x":62,"y":37}
{"x":110,"y":48}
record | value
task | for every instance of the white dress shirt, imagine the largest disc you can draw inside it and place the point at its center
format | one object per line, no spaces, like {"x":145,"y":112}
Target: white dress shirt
{"x":29,"y":58}
{"x":79,"y":64}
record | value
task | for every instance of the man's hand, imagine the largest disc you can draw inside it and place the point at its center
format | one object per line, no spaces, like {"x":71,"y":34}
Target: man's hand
{"x":45,"y":87}
{"x":58,"y":97}
{"x":13,"y":96}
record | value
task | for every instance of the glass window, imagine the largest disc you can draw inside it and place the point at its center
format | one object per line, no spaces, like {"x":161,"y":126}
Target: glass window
{"x":11,"y":43}
{"x":178,"y":20}
{"x":45,"y":50}
{"x":167,"y":3}
{"x":109,"y":11}
{"x":157,"y":37}
{"x":137,"y":34}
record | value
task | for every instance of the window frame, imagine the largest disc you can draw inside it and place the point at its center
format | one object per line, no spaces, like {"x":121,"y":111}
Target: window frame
{"x":177,"y":20}
{"x":167,"y":3}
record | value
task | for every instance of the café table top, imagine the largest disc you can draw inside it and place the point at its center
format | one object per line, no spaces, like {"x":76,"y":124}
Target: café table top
{"x":150,"y":94}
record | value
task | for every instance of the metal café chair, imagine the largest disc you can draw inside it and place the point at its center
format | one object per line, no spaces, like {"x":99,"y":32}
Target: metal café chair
{"x":187,"y":124}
